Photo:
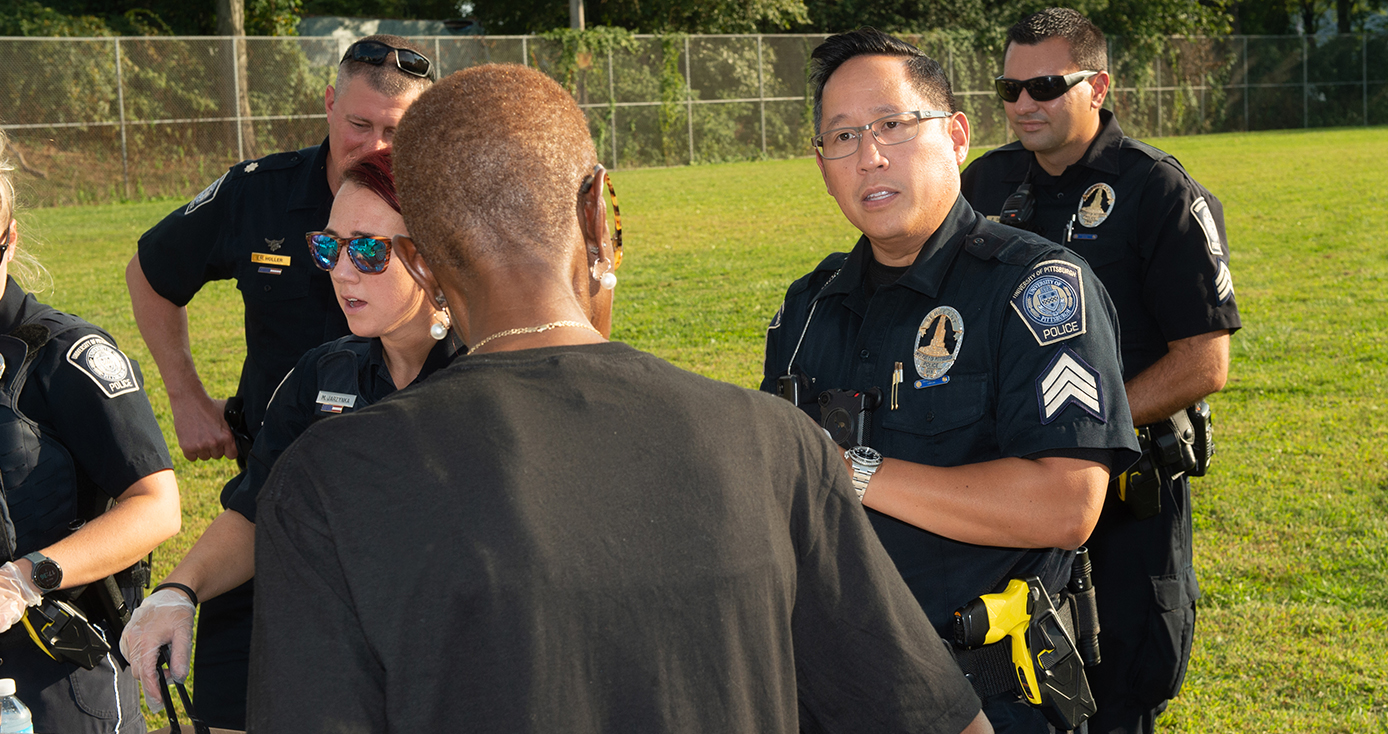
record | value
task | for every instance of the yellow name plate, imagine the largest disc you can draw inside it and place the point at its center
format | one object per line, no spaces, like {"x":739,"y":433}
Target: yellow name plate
{"x":268,"y":259}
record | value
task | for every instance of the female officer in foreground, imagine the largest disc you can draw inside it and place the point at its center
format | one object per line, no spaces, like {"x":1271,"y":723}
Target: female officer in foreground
{"x":399,"y":337}
{"x":76,"y":431}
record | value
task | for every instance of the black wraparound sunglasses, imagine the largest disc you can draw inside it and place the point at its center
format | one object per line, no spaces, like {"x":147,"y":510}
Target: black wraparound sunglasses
{"x":1041,"y":88}
{"x":375,"y":53}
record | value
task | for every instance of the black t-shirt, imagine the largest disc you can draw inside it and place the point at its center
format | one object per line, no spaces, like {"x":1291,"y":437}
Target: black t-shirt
{"x":89,"y":396}
{"x":581,"y":539}
{"x":1154,"y":236}
{"x":337,"y":378}
{"x":250,"y":225}
{"x":1008,"y":348}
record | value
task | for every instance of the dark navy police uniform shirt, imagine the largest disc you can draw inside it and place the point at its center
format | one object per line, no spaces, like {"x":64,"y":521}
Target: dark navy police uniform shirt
{"x":250,"y":225}
{"x":1008,"y":349}
{"x":110,"y":431}
{"x":1154,"y":236}
{"x":340,"y":377}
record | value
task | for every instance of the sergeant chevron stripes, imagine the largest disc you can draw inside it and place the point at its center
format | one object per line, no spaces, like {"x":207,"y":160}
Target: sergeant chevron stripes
{"x":1068,"y":380}
{"x":1224,"y":282}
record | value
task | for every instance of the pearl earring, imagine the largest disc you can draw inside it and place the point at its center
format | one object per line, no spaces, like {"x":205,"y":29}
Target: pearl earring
{"x":609,"y":280}
{"x":439,"y":330}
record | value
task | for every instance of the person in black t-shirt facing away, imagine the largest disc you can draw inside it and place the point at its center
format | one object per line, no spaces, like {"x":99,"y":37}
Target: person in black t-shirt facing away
{"x":561,"y":533}
{"x":399,"y":338}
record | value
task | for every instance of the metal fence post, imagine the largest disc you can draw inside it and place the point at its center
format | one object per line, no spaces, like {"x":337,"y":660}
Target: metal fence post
{"x":1158,"y":90}
{"x":1305,"y":88}
{"x":689,"y":99}
{"x":1246,"y":125}
{"x":236,"y":87}
{"x":438,"y":72}
{"x":525,"y":52}
{"x":612,"y":105}
{"x":120,"y":104}
{"x":761,"y":95}
{"x":1364,"y":61}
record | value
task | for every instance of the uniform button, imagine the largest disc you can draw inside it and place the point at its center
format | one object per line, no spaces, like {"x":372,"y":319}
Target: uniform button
{"x":978,"y":240}
{"x":863,"y":354}
{"x":267,"y":287}
{"x":930,"y":416}
{"x":1061,"y":195}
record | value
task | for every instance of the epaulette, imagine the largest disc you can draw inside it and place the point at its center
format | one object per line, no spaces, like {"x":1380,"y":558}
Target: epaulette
{"x":1012,"y":147}
{"x":1155,"y":154}
{"x":272,"y":162}
{"x":820,"y":275}
{"x":992,"y":241}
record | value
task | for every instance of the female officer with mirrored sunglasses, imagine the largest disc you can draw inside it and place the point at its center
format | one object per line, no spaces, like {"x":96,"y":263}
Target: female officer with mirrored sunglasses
{"x":76,"y":433}
{"x":399,"y":338}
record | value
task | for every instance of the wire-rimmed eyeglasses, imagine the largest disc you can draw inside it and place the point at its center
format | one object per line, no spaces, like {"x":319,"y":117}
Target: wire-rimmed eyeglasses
{"x":896,"y":129}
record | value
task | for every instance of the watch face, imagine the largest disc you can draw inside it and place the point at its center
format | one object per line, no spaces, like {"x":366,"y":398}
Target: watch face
{"x":865,"y":455}
{"x":47,"y":575}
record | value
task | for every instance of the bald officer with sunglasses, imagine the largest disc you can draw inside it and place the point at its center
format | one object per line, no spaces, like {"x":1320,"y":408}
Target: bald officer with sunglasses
{"x":1156,"y":239}
{"x":249,"y":225}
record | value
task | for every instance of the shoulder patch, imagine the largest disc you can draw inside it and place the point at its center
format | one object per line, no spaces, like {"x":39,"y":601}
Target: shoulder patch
{"x":208,"y":194}
{"x":1201,"y":210}
{"x":1067,"y":380}
{"x":107,"y":366}
{"x":776,"y":320}
{"x":1050,"y":301}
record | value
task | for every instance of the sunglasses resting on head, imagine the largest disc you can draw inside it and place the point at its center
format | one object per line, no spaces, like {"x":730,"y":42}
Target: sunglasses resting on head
{"x":375,"y":53}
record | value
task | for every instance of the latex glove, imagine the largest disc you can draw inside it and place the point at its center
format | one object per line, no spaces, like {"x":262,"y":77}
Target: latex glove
{"x":17,"y":593}
{"x":163,"y":618}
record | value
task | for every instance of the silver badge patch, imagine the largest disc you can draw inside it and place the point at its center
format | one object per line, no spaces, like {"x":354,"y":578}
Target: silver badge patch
{"x":938,"y":340}
{"x":1201,"y":210}
{"x":99,"y":360}
{"x":250,"y":167}
{"x":274,"y":245}
{"x":1096,"y":204}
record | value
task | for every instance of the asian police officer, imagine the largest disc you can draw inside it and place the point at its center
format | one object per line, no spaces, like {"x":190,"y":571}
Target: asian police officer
{"x":995,"y":351}
{"x":1155,"y":238}
{"x":249,"y":225}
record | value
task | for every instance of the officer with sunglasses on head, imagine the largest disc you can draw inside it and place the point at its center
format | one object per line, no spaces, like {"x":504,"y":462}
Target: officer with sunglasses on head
{"x":1156,"y":239}
{"x":245,"y":225}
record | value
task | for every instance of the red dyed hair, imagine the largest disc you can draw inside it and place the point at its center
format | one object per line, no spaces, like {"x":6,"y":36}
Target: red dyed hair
{"x":373,"y":172}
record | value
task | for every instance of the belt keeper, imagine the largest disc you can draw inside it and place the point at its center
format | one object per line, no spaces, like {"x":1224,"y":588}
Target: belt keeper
{"x":175,"y":585}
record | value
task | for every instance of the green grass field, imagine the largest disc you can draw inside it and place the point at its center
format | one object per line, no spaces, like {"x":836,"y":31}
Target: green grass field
{"x":1292,"y":523}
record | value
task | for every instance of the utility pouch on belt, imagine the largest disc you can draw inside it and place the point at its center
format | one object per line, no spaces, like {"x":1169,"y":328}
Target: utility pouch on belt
{"x":1181,"y":445}
{"x":1018,"y":642}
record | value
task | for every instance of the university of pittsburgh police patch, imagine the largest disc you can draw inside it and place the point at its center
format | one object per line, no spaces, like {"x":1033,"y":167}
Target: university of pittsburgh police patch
{"x":1050,"y":301}
{"x":99,"y":360}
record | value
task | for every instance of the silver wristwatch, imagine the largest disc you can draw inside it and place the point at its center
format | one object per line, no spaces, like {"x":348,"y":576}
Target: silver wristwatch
{"x":865,"y":462}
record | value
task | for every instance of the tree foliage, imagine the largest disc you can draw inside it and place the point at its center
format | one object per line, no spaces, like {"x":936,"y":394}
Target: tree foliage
{"x":511,"y":17}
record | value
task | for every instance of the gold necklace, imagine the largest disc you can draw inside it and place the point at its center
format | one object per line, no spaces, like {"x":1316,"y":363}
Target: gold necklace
{"x":535,"y":330}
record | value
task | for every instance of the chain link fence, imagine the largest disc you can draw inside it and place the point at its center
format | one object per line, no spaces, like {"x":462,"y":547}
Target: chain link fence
{"x":107,"y":119}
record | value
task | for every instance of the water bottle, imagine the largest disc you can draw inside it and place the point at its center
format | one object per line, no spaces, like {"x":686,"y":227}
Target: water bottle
{"x":14,"y":715}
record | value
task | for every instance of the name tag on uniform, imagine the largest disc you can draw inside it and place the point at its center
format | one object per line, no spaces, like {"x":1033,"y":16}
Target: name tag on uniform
{"x":266,"y":258}
{"x":335,"y":402}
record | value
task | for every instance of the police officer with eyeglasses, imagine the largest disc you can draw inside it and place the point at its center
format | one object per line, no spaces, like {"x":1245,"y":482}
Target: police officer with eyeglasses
{"x":249,"y":225}
{"x":1156,"y":239}
{"x":980,"y":361}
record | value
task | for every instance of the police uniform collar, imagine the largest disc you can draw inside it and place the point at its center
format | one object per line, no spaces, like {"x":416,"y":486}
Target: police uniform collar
{"x":927,"y":272}
{"x":15,"y":306}
{"x":310,"y":187}
{"x":1103,"y":153}
{"x":439,"y":356}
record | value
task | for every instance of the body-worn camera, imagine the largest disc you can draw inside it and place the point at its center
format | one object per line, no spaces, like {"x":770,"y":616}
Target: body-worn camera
{"x":1018,"y":208}
{"x":846,"y":414}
